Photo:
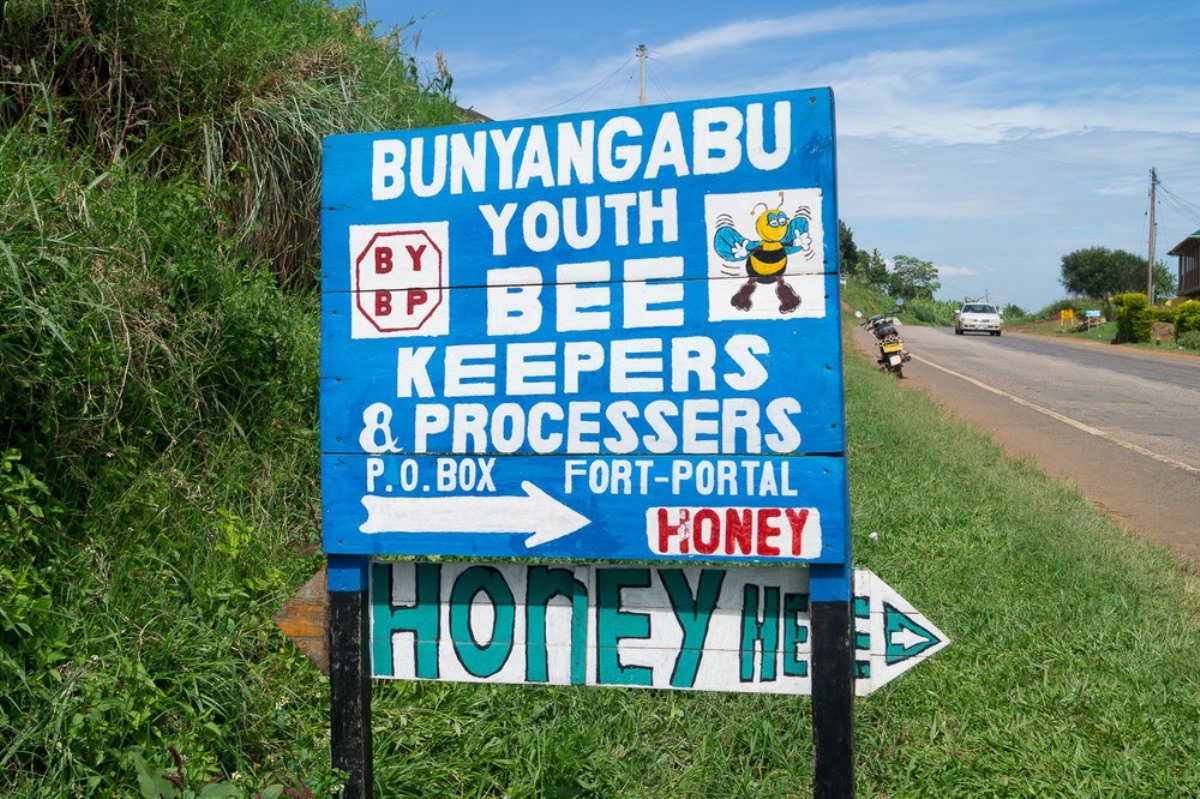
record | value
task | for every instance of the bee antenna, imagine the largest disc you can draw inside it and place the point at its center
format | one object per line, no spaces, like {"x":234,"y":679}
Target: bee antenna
{"x":754,"y":210}
{"x":780,"y":201}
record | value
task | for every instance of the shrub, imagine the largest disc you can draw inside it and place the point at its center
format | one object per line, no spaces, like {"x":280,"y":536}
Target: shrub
{"x":1135,"y":317}
{"x":1187,"y":317}
{"x":931,"y":312}
{"x":1189,"y":340}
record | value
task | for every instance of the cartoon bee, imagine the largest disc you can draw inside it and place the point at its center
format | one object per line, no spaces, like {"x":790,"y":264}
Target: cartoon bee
{"x":766,"y":259}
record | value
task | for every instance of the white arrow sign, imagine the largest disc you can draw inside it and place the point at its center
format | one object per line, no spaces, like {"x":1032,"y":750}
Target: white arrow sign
{"x":893,"y":636}
{"x":706,"y":628}
{"x":534,"y":512}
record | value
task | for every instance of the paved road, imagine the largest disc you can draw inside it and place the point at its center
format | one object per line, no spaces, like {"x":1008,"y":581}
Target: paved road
{"x":1123,"y":426}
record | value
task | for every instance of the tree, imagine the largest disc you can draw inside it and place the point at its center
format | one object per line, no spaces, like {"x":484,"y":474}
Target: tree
{"x":1101,"y":272}
{"x":874,"y":269}
{"x":849,"y":256}
{"x":913,"y":278}
{"x":1165,"y":284}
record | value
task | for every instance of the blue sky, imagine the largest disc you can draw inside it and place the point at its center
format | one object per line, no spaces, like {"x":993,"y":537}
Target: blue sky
{"x":988,"y":138}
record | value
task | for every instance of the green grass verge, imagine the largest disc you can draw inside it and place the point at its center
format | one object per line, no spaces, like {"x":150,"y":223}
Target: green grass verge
{"x":1073,"y":643}
{"x":1071,"y":673}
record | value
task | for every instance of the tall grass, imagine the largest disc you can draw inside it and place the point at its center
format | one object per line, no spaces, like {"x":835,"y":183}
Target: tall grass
{"x":236,"y":93}
{"x":158,"y":347}
{"x":158,"y":397}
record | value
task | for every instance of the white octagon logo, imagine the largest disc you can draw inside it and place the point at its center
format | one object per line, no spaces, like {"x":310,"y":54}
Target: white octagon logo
{"x":399,"y":280}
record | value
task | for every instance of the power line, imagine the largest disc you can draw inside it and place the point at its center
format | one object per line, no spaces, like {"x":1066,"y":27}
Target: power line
{"x":662,"y":90}
{"x":1188,"y":210}
{"x":583,"y":93}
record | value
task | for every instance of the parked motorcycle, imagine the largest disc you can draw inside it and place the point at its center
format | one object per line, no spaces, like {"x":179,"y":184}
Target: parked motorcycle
{"x":890,"y":352}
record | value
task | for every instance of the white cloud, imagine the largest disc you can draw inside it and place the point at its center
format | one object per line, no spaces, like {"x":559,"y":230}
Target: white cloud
{"x":962,"y":271}
{"x":738,"y":34}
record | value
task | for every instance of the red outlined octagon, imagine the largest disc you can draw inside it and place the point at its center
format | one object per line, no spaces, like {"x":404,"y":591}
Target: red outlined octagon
{"x":411,"y":289}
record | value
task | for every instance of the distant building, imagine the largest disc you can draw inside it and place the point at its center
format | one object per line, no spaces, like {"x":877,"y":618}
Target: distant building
{"x":1188,"y":252}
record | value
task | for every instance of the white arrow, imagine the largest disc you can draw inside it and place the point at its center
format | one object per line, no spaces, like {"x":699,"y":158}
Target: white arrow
{"x":907,"y":639}
{"x":533,"y":512}
{"x":895,"y":636}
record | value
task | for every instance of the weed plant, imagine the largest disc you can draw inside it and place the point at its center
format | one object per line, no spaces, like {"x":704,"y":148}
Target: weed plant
{"x":1189,"y":340}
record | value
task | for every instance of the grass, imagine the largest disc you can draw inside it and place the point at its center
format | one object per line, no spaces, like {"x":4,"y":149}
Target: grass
{"x":1071,"y":672}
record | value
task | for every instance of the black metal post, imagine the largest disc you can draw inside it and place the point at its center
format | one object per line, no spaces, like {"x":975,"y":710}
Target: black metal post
{"x":350,"y":674}
{"x":832,"y":682}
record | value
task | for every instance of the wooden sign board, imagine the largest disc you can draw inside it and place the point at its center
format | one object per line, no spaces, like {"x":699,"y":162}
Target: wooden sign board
{"x":608,"y":336}
{"x":686,"y":628}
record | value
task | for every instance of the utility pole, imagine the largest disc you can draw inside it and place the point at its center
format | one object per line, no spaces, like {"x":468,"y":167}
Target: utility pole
{"x":1150,"y":261}
{"x":641,"y":54}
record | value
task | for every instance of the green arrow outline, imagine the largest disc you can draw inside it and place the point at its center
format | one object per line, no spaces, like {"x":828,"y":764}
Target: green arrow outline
{"x":895,"y":619}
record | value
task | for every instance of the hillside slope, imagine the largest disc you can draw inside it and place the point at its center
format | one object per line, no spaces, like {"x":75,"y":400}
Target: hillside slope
{"x":158,"y":373}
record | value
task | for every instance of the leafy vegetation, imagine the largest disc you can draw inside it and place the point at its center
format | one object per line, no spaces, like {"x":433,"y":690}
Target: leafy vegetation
{"x":235,"y":93}
{"x":158,"y":342}
{"x":909,"y":277}
{"x":1189,"y":340}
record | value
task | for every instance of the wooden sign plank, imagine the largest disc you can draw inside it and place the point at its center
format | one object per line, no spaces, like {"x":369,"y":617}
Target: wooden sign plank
{"x":597,"y":305}
{"x":304,"y":619}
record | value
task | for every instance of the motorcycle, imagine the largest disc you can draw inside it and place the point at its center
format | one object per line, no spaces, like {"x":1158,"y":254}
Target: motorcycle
{"x":891,"y":354}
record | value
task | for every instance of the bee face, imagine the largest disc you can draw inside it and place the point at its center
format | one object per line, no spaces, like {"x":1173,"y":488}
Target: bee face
{"x":771,"y":225}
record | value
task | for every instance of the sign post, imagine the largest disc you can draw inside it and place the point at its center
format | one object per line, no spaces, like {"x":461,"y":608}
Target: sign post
{"x":350,"y":673}
{"x":833,"y":682}
{"x":600,"y":338}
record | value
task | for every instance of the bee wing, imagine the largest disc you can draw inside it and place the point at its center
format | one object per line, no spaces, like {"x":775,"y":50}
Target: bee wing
{"x":797,"y":226}
{"x":726,"y":239}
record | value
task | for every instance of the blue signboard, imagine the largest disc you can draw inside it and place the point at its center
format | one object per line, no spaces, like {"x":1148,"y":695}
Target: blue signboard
{"x":606,"y":336}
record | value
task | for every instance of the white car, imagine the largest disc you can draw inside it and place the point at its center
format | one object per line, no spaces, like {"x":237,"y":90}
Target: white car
{"x":978,"y":317}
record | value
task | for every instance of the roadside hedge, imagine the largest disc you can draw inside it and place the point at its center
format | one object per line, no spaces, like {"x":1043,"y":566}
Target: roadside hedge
{"x":1135,"y":317}
{"x":1186,"y":317}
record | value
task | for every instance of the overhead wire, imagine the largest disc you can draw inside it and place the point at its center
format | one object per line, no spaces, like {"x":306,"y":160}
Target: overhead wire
{"x":654,"y":79}
{"x":1190,"y":211}
{"x":583,"y":94}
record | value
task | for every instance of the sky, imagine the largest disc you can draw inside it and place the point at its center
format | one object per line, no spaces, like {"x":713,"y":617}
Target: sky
{"x":990,"y":139}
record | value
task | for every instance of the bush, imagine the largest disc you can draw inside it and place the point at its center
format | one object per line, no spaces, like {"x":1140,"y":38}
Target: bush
{"x":1187,"y":317}
{"x":931,"y":312}
{"x":1189,"y":340}
{"x":1135,"y":317}
{"x":1013,"y":311}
